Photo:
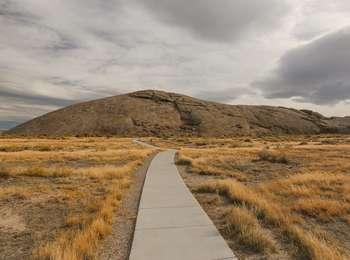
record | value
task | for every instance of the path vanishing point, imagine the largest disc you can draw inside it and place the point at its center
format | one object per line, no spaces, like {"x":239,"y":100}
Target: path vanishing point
{"x":171,"y":225}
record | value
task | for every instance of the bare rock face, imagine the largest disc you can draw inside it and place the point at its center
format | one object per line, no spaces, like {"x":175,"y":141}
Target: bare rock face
{"x":158,"y":113}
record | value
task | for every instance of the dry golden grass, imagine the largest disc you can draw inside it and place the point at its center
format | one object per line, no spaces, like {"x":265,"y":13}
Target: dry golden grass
{"x":298,"y":188}
{"x":274,"y":157}
{"x":242,"y":194}
{"x":186,"y":142}
{"x":82,"y":180}
{"x":82,"y":243}
{"x":321,"y":208}
{"x":18,"y":192}
{"x":243,"y":223}
{"x":309,"y":245}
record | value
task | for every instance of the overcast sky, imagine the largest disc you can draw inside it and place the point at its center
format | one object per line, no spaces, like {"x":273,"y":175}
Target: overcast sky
{"x":278,"y":52}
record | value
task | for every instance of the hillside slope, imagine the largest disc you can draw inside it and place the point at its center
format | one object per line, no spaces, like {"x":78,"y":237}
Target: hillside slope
{"x":158,"y":113}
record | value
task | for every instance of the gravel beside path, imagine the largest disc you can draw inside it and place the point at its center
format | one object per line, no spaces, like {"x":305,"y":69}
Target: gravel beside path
{"x":117,"y":245}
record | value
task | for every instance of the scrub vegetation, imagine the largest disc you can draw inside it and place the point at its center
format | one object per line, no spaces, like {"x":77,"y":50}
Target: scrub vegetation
{"x":59,"y":197}
{"x":270,"y":197}
{"x":273,"y":197}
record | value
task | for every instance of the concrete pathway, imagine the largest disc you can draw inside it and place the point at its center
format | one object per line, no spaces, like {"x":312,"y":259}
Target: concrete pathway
{"x":145,"y":144}
{"x":171,"y":225}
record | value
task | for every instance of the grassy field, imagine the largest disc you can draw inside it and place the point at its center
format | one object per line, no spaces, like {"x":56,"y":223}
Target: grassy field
{"x":58,"y":198}
{"x":273,"y":198}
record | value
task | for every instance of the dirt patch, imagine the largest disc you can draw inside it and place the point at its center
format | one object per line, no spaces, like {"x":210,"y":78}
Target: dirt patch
{"x":10,"y":222}
{"x":27,"y":221}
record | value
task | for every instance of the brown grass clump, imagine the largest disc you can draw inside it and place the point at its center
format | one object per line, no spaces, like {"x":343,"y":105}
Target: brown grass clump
{"x":82,"y":244}
{"x":37,"y":171}
{"x":240,"y":193}
{"x":243,"y":223}
{"x":18,"y":192}
{"x":273,"y":157}
{"x":320,"y":208}
{"x":109,"y":172}
{"x":198,"y":142}
{"x":309,"y":245}
{"x":4,"y":173}
{"x":211,"y":162}
{"x":183,"y":160}
{"x":318,"y":195}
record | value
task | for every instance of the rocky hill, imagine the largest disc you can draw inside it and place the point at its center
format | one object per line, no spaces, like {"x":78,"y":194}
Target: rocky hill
{"x":158,"y":113}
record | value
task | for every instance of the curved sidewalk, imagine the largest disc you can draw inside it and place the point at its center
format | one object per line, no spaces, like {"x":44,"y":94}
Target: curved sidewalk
{"x":171,"y":225}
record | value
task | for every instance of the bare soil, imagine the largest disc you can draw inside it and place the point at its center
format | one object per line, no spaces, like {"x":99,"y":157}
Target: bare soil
{"x":27,"y":221}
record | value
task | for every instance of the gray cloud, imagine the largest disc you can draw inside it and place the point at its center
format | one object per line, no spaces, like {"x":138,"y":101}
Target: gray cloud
{"x":13,"y":12}
{"x":54,"y":53}
{"x":319,"y":17}
{"x":17,"y":95}
{"x":342,"y":5}
{"x":224,"y":20}
{"x":317,"y":72}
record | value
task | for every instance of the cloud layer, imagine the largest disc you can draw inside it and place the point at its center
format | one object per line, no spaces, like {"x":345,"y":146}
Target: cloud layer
{"x":317,"y":72}
{"x":225,"y":20}
{"x":58,"y":52}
